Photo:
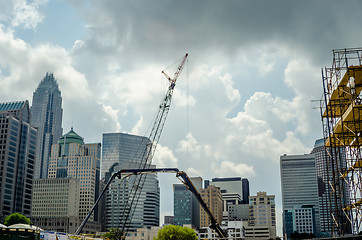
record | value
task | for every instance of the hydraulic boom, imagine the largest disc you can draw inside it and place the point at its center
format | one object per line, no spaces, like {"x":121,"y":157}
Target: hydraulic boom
{"x":182,"y":176}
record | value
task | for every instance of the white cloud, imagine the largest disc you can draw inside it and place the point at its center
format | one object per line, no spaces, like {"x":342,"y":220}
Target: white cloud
{"x":232,"y":93}
{"x":111,"y":114}
{"x":138,"y":126}
{"x":164,"y":157}
{"x":27,"y":15}
{"x":192,"y":172}
{"x":228,"y":168}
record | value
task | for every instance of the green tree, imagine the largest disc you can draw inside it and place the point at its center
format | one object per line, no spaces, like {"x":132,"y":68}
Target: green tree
{"x":171,"y":232}
{"x":16,"y":218}
{"x":113,"y":234}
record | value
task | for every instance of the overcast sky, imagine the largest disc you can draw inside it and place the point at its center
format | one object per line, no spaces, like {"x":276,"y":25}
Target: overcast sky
{"x":244,"y":97}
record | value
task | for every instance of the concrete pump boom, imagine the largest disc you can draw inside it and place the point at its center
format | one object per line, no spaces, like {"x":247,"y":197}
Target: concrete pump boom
{"x":182,"y":176}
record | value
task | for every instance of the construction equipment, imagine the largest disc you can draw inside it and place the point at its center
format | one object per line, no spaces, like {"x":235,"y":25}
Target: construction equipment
{"x":148,"y":153}
{"x":182,"y":176}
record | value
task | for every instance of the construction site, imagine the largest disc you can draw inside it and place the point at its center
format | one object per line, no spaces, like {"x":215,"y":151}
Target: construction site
{"x":341,"y":114}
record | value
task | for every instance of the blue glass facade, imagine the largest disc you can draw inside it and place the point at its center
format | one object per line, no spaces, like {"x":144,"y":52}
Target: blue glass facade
{"x":186,"y":207}
{"x":122,"y":151}
{"x":46,"y":115}
{"x":17,"y":158}
{"x":300,"y":186}
{"x":182,"y":206}
{"x":118,"y":148}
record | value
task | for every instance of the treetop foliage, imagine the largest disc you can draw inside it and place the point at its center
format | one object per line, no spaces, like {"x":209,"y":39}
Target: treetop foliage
{"x":172,"y":232}
{"x":16,"y":218}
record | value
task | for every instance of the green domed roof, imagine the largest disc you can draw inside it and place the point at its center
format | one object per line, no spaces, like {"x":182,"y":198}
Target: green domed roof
{"x":71,"y":137}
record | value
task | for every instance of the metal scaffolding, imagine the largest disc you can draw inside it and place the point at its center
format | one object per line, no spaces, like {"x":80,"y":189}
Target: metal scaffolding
{"x":341,"y":114}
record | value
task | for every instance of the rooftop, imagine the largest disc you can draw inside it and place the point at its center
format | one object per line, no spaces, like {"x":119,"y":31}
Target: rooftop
{"x":71,"y":137}
{"x":9,"y":106}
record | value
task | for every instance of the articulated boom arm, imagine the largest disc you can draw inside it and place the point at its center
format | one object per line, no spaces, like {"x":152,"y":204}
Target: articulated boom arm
{"x":214,"y":225}
{"x":182,"y":176}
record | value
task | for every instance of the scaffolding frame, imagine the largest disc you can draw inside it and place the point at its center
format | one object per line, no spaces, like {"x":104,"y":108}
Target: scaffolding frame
{"x":341,"y":114}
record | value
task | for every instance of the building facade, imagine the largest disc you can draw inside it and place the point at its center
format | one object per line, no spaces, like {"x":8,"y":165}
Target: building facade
{"x":123,"y":208}
{"x":124,"y":211}
{"x":238,"y":212}
{"x":186,"y":208}
{"x":56,"y":204}
{"x":72,"y":158}
{"x":46,"y":111}
{"x":213,"y":199}
{"x":233,"y":229}
{"x":235,"y":191}
{"x":262,"y":212}
{"x":169,"y":220}
{"x":299,"y":190}
{"x":325,"y":175}
{"x":120,"y":148}
{"x":17,"y":158}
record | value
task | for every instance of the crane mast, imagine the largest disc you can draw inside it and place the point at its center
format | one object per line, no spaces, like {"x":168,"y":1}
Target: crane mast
{"x":154,"y":137}
{"x":148,"y":153}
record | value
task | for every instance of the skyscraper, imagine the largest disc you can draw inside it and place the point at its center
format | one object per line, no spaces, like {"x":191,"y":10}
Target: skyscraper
{"x":17,"y":158}
{"x":213,"y":199}
{"x":325,"y":176}
{"x":186,"y":208}
{"x":121,"y":209}
{"x":120,"y":148}
{"x":46,"y":111}
{"x":262,"y":212}
{"x":299,"y":193}
{"x":124,"y":151}
{"x":72,"y":158}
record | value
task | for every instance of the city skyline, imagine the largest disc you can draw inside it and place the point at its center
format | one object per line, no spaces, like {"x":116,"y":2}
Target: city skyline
{"x":243,"y":99}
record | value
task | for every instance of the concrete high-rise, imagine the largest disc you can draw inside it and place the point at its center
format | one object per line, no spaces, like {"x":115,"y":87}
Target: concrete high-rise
{"x":17,"y":158}
{"x":186,"y":208}
{"x":72,"y":158}
{"x":46,"y":111}
{"x":299,"y":193}
{"x":123,"y":151}
{"x":213,"y":198}
{"x":262,"y":212}
{"x":325,"y":176}
{"x":55,"y":204}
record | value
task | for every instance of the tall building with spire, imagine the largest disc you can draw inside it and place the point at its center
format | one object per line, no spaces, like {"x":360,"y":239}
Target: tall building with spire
{"x":46,"y":112}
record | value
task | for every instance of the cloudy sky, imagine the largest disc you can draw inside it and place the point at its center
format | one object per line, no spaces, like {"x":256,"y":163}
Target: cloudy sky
{"x":245,"y":96}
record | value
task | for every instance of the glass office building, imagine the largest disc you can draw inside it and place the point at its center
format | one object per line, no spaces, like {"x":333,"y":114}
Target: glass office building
{"x":17,"y":158}
{"x":299,"y":191}
{"x":46,"y":115}
{"x":186,"y":208}
{"x":122,"y":209}
{"x":325,"y":176}
{"x":120,"y":148}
